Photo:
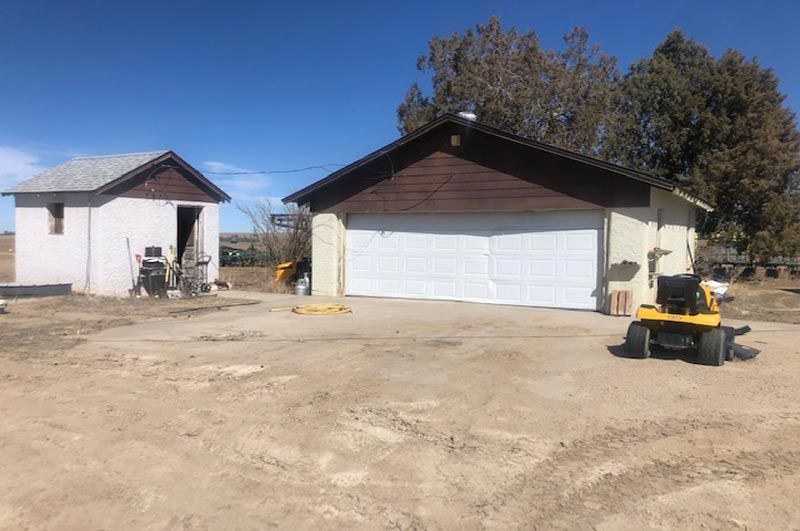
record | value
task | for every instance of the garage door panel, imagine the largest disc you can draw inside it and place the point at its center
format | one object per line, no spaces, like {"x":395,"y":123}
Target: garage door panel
{"x":360,"y":286}
{"x":389,"y":286}
{"x":508,"y":293}
{"x":360,"y":264}
{"x":543,"y":268}
{"x":581,"y":270}
{"x":476,"y":242}
{"x":578,"y":297}
{"x":507,"y":267}
{"x":507,"y":243}
{"x":445,"y":265}
{"x":580,"y":242}
{"x":444,"y":288}
{"x":416,"y":241}
{"x":546,"y":243}
{"x":445,"y":243}
{"x":388,"y":240}
{"x":497,"y":258}
{"x":476,"y":290}
{"x":476,"y":266}
{"x":542,"y":295}
{"x":416,"y":265}
{"x":416,"y":288}
{"x":388,"y":264}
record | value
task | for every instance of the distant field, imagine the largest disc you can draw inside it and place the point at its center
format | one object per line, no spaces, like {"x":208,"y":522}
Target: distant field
{"x":239,"y":235}
{"x":239,"y":241}
{"x":235,"y":244}
{"x":6,"y":259}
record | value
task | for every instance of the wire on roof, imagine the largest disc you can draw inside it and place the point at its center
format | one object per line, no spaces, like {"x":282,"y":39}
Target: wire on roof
{"x":274,"y":172}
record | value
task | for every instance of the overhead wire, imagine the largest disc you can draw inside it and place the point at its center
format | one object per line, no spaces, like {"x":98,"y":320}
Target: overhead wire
{"x":276,"y":172}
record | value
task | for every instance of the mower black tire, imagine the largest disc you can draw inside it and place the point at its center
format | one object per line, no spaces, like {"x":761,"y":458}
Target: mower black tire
{"x":637,"y":342}
{"x":730,"y":337}
{"x":712,"y":347}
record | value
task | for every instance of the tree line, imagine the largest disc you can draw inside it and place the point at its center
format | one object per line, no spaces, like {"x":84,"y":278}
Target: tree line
{"x":717,"y":126}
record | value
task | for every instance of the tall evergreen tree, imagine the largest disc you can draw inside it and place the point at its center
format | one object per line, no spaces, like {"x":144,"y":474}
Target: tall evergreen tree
{"x":721,"y":128}
{"x":509,"y":81}
{"x":663,"y":111}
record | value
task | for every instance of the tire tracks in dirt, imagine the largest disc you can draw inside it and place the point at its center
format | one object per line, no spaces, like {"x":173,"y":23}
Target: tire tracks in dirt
{"x":548,"y":497}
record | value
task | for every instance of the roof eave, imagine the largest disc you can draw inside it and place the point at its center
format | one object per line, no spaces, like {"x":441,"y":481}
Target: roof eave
{"x":39,"y":192}
{"x":696,"y":201}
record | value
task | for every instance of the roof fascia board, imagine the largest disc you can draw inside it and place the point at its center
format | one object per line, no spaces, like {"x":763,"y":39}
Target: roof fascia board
{"x":696,"y":201}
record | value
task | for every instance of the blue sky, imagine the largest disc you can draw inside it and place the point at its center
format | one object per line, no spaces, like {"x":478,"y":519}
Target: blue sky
{"x":276,"y":85}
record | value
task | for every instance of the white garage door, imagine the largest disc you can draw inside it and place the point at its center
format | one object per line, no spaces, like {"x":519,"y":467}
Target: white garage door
{"x":532,"y":259}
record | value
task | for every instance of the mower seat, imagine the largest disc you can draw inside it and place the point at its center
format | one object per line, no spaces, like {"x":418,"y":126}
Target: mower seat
{"x":682,"y":294}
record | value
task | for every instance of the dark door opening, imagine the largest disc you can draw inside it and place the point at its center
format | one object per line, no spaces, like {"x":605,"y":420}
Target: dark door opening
{"x":189,"y":236}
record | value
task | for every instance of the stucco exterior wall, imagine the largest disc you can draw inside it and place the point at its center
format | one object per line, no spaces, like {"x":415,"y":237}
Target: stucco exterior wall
{"x":676,"y":234}
{"x":44,"y":258}
{"x":669,"y":224}
{"x":626,"y":253}
{"x":327,"y":254}
{"x":146,"y":222}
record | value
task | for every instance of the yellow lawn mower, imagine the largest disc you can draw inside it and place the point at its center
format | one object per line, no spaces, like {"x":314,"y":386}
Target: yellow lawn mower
{"x":686,"y":316}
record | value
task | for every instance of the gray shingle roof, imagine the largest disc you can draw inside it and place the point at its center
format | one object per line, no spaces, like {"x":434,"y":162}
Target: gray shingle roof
{"x":84,"y":174}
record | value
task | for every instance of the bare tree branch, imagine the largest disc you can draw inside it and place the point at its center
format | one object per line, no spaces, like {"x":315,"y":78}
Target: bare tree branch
{"x":285,"y":237}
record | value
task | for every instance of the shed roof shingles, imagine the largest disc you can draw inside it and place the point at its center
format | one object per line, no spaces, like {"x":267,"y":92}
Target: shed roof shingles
{"x":85,"y":174}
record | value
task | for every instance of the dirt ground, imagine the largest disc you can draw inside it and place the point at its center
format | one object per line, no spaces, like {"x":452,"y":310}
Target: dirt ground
{"x":766,"y":300}
{"x":6,"y":258}
{"x":402,"y":414}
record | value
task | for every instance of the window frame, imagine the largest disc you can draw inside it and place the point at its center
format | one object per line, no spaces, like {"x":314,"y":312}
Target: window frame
{"x":55,"y":217}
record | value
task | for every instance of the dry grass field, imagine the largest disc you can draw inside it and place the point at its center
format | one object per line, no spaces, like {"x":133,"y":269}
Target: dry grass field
{"x":767,"y":300}
{"x":6,"y":258}
{"x":253,"y":279}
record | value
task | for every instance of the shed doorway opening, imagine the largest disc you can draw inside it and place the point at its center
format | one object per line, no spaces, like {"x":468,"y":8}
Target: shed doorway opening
{"x":190,"y":235}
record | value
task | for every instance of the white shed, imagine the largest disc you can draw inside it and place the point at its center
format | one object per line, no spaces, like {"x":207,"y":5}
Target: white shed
{"x":84,"y":221}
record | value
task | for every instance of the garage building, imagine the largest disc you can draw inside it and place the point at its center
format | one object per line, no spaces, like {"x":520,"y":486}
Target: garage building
{"x":458,"y":210}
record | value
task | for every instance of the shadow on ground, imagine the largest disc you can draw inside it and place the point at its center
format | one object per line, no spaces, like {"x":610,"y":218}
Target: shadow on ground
{"x":688,"y":356}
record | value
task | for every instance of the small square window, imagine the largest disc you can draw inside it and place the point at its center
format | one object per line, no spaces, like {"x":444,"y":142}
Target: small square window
{"x":56,"y":211}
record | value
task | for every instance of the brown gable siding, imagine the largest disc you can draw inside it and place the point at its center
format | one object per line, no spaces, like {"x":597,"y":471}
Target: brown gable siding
{"x":484,"y":174}
{"x":164,"y":184}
